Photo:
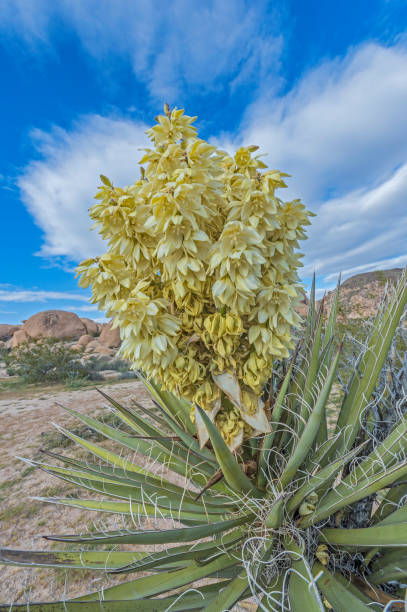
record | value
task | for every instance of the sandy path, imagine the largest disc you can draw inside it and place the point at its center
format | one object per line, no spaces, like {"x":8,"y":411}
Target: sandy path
{"x":90,"y":398}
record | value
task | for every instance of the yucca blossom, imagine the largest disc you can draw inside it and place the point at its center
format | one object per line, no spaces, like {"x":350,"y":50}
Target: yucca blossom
{"x":200,"y":272}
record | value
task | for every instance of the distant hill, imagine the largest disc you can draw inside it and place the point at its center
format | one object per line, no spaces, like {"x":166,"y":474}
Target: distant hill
{"x":361,"y":294}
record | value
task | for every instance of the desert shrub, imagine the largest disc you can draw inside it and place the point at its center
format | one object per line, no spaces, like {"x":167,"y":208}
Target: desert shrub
{"x":102,"y":362}
{"x":4,"y":352}
{"x":46,"y":361}
{"x":74,"y":382}
{"x":127,"y":375}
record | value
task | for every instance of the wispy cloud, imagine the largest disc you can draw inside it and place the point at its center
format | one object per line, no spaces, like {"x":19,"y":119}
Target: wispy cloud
{"x":28,"y":295}
{"x":381,"y":264}
{"x":88,"y":308}
{"x":342,"y":127}
{"x":341,"y":132}
{"x":364,"y":230}
{"x":58,"y":189}
{"x":173,"y":47}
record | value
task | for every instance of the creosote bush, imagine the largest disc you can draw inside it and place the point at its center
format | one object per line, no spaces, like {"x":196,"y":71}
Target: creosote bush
{"x":46,"y":360}
{"x":200,"y":272}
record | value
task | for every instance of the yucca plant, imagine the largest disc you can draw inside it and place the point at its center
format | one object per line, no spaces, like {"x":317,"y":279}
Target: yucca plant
{"x":276,"y":502}
{"x":275,"y":520}
{"x":200,"y":273}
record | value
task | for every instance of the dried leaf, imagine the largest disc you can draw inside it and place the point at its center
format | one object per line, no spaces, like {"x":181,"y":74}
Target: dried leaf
{"x":257,"y":420}
{"x":193,"y":338}
{"x":203,"y":435}
{"x":229,"y":384}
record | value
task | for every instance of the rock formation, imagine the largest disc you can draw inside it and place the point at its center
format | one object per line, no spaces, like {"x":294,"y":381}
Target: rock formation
{"x":19,"y":337}
{"x":7,"y":331}
{"x":92,"y":328}
{"x":54,"y":324}
{"x":110,"y":337}
{"x":85,"y":339}
{"x":360,"y":295}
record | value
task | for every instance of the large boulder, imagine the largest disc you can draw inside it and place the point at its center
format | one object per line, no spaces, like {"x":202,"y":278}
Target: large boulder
{"x":110,"y":337}
{"x":103,"y":351}
{"x":95,"y":349}
{"x":7,"y":331}
{"x":93,"y":345}
{"x":54,"y":324}
{"x":92,"y":328}
{"x":19,"y":337}
{"x":84,"y":340}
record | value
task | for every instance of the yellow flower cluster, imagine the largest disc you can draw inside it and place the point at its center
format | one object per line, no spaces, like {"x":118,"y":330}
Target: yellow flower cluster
{"x":201,"y":271}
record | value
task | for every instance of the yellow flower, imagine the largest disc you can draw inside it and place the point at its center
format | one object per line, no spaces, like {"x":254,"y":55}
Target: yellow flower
{"x":230,"y":424}
{"x":200,"y":271}
{"x":242,"y":158}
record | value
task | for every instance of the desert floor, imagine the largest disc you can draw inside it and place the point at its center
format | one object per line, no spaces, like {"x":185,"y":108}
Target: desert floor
{"x":25,"y":427}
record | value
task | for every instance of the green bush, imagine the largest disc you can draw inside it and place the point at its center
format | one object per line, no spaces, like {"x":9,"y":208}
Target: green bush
{"x":3,"y":353}
{"x":102,"y":362}
{"x":47,"y":361}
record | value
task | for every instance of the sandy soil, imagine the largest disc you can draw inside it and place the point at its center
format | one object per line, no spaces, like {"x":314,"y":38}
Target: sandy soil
{"x":44,"y":399}
{"x":25,"y":427}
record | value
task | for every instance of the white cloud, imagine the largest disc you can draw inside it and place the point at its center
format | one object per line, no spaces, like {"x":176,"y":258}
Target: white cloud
{"x":364,"y":230}
{"x":382,"y":264}
{"x":58,"y":189}
{"x":88,"y":308}
{"x":343,"y":126}
{"x":29,"y":295}
{"x":172,"y":46}
{"x":342,"y":134}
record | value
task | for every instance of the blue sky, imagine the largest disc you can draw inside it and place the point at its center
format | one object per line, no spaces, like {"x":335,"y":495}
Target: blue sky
{"x":321,"y":86}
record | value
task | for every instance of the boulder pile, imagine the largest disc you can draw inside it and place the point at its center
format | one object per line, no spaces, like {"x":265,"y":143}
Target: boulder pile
{"x":7,"y":331}
{"x":80,"y":333}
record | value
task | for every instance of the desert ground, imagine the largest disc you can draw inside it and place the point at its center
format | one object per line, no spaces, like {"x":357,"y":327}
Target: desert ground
{"x":26,"y":426}
{"x":27,"y":419}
